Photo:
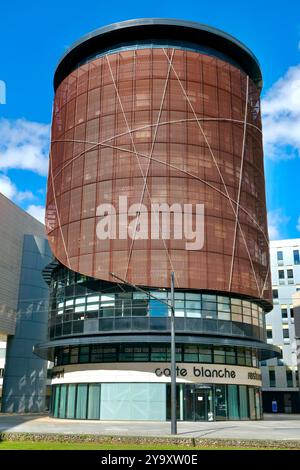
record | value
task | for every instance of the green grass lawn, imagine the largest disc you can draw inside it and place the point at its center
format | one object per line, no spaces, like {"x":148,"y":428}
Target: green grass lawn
{"x":56,"y":445}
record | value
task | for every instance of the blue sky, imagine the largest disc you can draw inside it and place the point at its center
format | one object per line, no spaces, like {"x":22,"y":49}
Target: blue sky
{"x":35,"y":34}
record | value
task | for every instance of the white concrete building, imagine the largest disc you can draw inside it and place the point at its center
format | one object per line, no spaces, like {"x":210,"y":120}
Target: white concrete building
{"x":280,"y":376}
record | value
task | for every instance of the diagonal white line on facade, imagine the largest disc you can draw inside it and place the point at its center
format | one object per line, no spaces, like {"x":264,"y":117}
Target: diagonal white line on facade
{"x":240,"y":185}
{"x":57,"y":212}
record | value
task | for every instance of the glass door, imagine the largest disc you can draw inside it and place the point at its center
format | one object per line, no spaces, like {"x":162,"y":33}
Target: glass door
{"x":198,"y":403}
{"x":203,"y":404}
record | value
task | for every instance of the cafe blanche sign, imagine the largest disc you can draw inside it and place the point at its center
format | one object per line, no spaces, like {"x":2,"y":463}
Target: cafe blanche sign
{"x":156,"y":372}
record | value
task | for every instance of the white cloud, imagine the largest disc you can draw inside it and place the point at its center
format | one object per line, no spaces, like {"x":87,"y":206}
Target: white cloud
{"x":281,"y":117}
{"x":24,"y":145}
{"x":9,"y":189}
{"x":276,"y":221}
{"x":298,"y":224}
{"x":37,"y":211}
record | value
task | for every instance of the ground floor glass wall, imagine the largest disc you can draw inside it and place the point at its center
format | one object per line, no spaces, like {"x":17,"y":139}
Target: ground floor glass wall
{"x":152,"y":401}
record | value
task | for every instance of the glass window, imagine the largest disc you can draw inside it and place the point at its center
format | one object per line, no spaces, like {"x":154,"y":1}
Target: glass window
{"x":224,"y":315}
{"x":92,"y":308}
{"x":291,"y":312}
{"x":108,"y":298}
{"x":63,"y":401}
{"x":107,"y":312}
{"x":223,"y":307}
{"x":243,"y":402}
{"x":94,"y":401}
{"x":286,"y":333}
{"x":290,"y":276}
{"x":275,"y":293}
{"x":80,"y":309}
{"x":223,"y":300}
{"x":269,"y":333}
{"x":139,"y":308}
{"x":126,"y":353}
{"x":241,"y":360}
{"x":65,"y":356}
{"x":74,"y":355}
{"x":80,"y":300}
{"x":191,"y":353}
{"x":84,"y":354}
{"x":158,"y":353}
{"x":252,"y":403}
{"x":196,"y":297}
{"x":141,"y":353}
{"x":140,"y":295}
{"x":205,"y":354}
{"x":272,"y":378}
{"x":284,"y":313}
{"x":70,"y":413}
{"x":281,"y":274}
{"x":296,"y":257}
{"x":237,"y":317}
{"x":69,"y":302}
{"x":110,"y":354}
{"x":96,"y":353}
{"x":236,"y":309}
{"x":158,"y":309}
{"x":159,"y":294}
{"x":230,"y":355}
{"x":189,"y":304}
{"x":289,"y":378}
{"x":219,"y":355}
{"x":220,"y":402}
{"x":248,"y":357}
{"x":279,"y":255}
{"x":193,"y":313}
{"x":56,"y":391}
{"x":94,"y":298}
{"x":81,"y":401}
{"x":233,"y":402}
{"x":209,"y":298}
{"x":209,"y":306}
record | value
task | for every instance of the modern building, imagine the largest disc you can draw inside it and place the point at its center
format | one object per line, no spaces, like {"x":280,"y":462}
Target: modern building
{"x":280,"y":376}
{"x":24,"y":252}
{"x":296,"y":310}
{"x":157,"y":112}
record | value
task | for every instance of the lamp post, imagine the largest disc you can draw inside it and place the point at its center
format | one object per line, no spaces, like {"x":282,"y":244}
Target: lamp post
{"x":173,"y":362}
{"x":173,"y":344}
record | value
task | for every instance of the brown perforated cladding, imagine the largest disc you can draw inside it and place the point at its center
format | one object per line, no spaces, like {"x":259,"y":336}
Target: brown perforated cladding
{"x":183,"y":114}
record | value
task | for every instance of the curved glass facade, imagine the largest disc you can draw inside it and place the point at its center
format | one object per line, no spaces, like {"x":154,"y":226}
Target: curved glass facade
{"x":141,"y":352}
{"x":80,"y":304}
{"x":118,"y":401}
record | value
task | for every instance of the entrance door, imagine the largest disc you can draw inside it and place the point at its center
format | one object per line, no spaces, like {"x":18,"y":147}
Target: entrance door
{"x":198,"y":403}
{"x":203,"y":404}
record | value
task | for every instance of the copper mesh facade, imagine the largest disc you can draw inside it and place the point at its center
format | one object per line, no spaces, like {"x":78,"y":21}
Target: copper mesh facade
{"x":189,"y":125}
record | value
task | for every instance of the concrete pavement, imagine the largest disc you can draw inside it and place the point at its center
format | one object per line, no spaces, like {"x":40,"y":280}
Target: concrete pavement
{"x":279,"y":427}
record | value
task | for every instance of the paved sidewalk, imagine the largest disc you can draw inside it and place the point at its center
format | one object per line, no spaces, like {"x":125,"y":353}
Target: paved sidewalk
{"x":279,"y":427}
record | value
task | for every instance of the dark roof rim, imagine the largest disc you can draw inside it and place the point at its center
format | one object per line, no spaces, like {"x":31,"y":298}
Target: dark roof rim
{"x":224,"y":42}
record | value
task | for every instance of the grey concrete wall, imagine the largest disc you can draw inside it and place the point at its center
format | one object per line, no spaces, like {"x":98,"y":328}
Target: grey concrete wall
{"x":24,"y":386}
{"x":15,"y":223}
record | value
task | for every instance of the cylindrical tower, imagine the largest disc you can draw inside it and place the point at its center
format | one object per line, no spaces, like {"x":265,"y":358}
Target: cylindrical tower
{"x":154,"y":121}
